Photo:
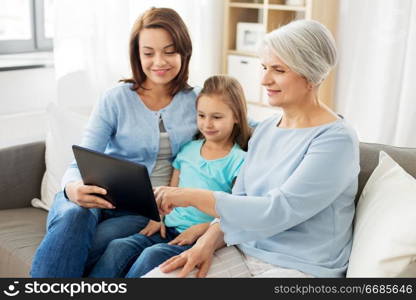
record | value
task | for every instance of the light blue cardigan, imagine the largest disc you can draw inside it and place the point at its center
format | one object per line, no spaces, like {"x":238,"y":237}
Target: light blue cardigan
{"x":122,"y":126}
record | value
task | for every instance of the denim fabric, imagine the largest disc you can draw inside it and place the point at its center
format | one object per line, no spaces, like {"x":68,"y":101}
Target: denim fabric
{"x":76,"y":237}
{"x":136,"y":255}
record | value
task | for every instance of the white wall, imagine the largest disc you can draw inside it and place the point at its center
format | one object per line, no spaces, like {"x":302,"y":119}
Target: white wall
{"x":24,"y":95}
{"x":26,"y":90}
{"x":22,"y":128}
{"x":259,"y":113}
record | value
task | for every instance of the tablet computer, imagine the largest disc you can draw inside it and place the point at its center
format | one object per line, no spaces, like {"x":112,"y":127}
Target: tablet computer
{"x":127,"y":183}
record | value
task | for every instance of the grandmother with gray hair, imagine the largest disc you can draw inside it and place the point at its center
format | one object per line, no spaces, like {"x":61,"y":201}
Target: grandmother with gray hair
{"x":291,"y":210}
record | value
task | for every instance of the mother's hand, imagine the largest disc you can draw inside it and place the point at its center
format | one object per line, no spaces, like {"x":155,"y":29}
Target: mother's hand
{"x":196,"y":257}
{"x":167,"y":198}
{"x":87,"y":195}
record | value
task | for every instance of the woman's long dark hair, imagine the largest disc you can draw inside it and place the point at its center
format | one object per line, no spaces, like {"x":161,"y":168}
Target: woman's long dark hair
{"x":169,"y":20}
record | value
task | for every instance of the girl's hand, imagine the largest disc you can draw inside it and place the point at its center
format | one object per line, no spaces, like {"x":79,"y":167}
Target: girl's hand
{"x":199,"y":256}
{"x":83,"y":195}
{"x":190,"y":235}
{"x":167,"y":198}
{"x":152,"y":227}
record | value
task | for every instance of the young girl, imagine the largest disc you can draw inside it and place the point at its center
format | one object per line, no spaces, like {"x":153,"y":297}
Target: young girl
{"x":212,"y":162}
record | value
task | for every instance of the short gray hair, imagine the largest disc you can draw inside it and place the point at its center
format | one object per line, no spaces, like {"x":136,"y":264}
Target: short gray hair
{"x":306,"y":47}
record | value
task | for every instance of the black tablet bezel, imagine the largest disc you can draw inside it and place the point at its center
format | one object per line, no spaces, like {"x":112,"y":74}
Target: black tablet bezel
{"x":127,"y":183}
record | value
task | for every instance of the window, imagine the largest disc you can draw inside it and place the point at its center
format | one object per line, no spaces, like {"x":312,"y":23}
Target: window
{"x":26,"y":25}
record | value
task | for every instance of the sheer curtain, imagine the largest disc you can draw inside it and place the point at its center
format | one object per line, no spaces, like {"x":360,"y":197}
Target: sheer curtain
{"x":376,"y":82}
{"x":91,"y":43}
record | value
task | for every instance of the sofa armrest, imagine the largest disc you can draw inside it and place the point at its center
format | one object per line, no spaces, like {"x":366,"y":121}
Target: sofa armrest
{"x":22,"y":168}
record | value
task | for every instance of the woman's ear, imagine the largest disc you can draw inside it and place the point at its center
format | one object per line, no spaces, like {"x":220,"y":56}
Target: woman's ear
{"x":309,"y":85}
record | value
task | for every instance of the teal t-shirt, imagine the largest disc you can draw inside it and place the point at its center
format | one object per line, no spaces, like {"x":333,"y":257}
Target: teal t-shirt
{"x":198,"y":172}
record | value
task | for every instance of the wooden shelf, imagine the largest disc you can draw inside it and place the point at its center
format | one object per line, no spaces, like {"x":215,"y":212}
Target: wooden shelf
{"x":273,"y":14}
{"x":286,"y":7}
{"x":246,"y":5}
{"x":263,"y":6}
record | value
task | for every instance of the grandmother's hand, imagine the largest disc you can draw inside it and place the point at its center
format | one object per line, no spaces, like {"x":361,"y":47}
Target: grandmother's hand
{"x":199,"y":256}
{"x":167,"y":198}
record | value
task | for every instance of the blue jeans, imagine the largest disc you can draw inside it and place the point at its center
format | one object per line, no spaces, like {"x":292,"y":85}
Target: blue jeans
{"x":136,"y":255}
{"x":76,"y":237}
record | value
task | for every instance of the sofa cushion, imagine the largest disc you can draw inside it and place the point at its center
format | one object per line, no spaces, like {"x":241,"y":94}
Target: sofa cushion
{"x":65,"y":129}
{"x":21,"y":173}
{"x":21,"y":231}
{"x":384,"y":243}
{"x":369,"y":153}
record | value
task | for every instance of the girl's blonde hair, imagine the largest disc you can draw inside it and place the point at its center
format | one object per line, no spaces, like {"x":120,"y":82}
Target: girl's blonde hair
{"x":231,"y":92}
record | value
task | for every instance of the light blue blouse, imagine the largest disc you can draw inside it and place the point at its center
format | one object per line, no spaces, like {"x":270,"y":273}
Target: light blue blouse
{"x":121,"y":125}
{"x":293,"y":201}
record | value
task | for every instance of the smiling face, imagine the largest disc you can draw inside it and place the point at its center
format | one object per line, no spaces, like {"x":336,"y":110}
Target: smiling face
{"x":160,"y":61}
{"x":284,"y":86}
{"x":215,"y":119}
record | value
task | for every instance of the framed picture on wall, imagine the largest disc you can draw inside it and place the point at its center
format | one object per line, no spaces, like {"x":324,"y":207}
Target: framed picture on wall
{"x":249,"y":35}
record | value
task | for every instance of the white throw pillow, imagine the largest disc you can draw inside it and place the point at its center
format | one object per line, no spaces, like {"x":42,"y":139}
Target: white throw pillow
{"x":65,"y":128}
{"x":384,"y":242}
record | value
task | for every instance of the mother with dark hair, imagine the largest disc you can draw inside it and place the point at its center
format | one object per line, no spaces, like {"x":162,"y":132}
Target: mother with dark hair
{"x":291,"y":210}
{"x":145,"y":119}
